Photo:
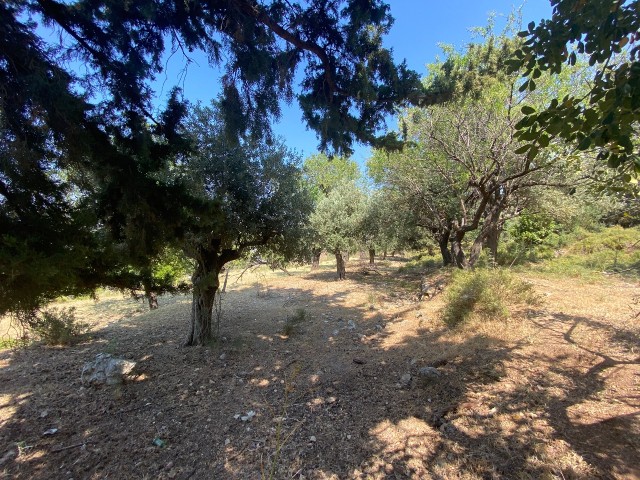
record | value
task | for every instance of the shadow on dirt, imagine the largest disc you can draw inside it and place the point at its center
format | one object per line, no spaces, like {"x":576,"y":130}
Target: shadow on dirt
{"x":338,"y":399}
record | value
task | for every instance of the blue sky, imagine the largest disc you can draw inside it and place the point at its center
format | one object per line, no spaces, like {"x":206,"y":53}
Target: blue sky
{"x":420,"y":26}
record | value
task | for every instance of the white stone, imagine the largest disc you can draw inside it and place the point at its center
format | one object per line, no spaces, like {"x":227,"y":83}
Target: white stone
{"x":106,"y":370}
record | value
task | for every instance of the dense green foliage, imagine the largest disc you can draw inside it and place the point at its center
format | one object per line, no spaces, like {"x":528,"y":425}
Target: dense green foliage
{"x":338,"y":217}
{"x":606,"y":118}
{"x":584,"y":254}
{"x":87,"y":191}
{"x":323,"y":174}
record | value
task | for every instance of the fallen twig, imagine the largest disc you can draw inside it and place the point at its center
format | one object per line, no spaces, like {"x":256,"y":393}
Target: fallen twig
{"x":69,"y":447}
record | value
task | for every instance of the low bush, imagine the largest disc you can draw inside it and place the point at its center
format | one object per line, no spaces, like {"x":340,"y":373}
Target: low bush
{"x":292,"y":324}
{"x":57,"y":327}
{"x":484,"y":294}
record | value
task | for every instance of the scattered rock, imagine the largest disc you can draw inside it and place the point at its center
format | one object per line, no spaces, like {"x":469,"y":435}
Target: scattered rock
{"x":351,"y":325}
{"x":359,"y":361}
{"x":51,"y":431}
{"x":223,"y":356}
{"x":405,"y":380}
{"x":430,"y":290}
{"x":312,"y":438}
{"x":429,"y":373}
{"x":106,"y":370}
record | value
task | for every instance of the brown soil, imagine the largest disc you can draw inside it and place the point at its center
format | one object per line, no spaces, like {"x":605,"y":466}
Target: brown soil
{"x":551,"y":393}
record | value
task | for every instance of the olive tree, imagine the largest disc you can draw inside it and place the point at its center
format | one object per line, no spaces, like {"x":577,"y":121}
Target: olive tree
{"x":249,"y":195}
{"x":337,"y":219}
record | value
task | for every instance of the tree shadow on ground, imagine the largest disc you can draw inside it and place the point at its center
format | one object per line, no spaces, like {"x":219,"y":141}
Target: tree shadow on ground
{"x":331,"y":401}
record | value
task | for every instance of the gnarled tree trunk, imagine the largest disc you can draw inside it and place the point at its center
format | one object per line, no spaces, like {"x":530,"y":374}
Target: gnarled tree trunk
{"x":456,"y":250}
{"x":340,"y":265}
{"x":492,"y":238}
{"x":205,"y":286}
{"x":443,"y":243}
{"x":372,"y":256}
{"x":488,"y":235}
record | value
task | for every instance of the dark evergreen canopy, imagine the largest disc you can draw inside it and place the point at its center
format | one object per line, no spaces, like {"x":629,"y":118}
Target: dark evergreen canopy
{"x":83,"y":194}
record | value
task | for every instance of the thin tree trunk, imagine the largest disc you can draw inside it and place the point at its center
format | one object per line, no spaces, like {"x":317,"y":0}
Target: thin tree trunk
{"x":384,"y":254}
{"x":205,"y":286}
{"x":315,"y":258}
{"x":147,"y":282}
{"x":340,"y":265}
{"x":372,"y":256}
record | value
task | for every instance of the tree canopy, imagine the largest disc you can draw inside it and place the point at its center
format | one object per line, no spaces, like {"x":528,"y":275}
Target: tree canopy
{"x":84,"y":193}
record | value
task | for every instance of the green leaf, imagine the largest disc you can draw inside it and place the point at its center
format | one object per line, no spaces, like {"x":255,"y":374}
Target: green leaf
{"x":584,"y":143}
{"x":528,"y":110}
{"x":522,"y":149}
{"x":590,"y":117}
{"x":544,"y":140}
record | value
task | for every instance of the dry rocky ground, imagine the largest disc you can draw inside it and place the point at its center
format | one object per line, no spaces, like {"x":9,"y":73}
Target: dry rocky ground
{"x":554,"y":392}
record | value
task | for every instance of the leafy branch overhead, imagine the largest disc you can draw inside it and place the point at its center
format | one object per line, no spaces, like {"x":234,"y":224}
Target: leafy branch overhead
{"x":606,"y":118}
{"x":350,"y":81}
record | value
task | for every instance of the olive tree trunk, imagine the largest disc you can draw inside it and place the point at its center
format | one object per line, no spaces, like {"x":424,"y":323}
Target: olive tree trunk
{"x":443,"y":243}
{"x":152,"y":298}
{"x":372,"y":256}
{"x":489,"y":235}
{"x":315,"y":258}
{"x":340,"y":265}
{"x":457,"y":252}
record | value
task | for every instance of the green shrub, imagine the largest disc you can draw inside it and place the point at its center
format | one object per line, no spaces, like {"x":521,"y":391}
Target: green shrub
{"x":292,"y":324}
{"x":589,"y":254}
{"x":484,"y":294}
{"x":57,"y":327}
{"x":420,"y":263}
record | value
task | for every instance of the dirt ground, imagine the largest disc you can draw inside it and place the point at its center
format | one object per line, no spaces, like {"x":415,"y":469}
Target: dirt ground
{"x":554,"y":392}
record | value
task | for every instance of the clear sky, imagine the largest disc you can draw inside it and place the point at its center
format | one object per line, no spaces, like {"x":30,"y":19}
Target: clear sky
{"x":420,"y":26}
